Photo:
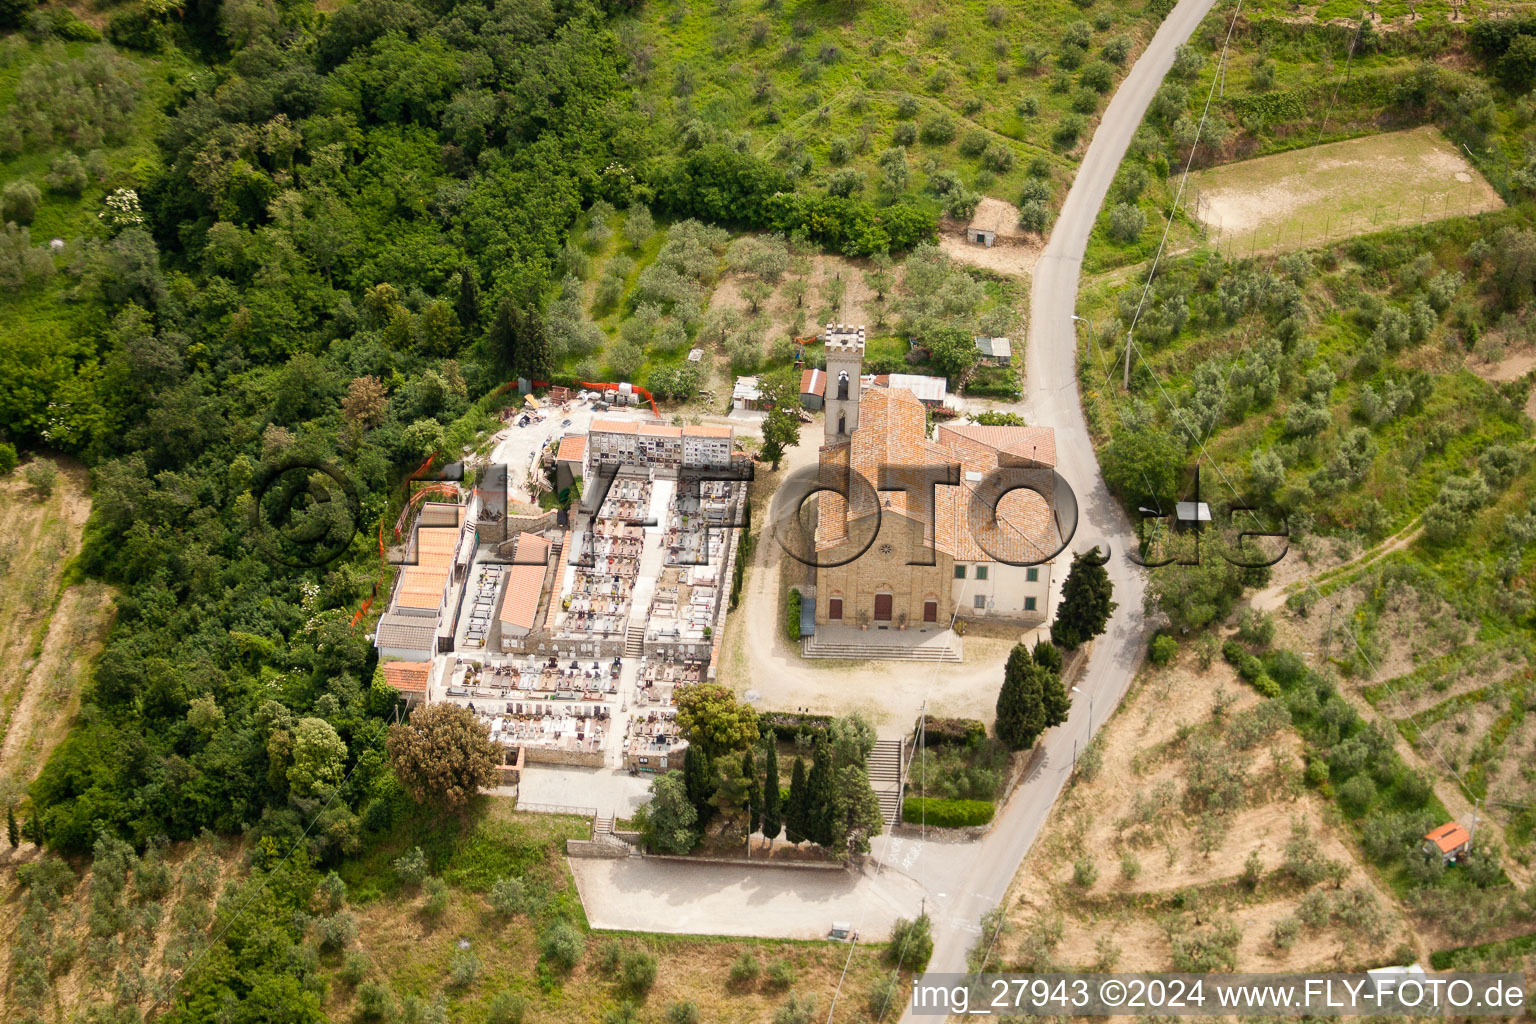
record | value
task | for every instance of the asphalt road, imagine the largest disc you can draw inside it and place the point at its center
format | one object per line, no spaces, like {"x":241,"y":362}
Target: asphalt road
{"x":1051,"y":397}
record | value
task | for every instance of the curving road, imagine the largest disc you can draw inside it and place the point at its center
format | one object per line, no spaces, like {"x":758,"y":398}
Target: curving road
{"x":1051,"y":397}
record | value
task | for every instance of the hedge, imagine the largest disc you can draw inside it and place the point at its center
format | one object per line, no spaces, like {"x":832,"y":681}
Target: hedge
{"x":953,"y":732}
{"x":792,"y":614}
{"x":929,"y":810}
{"x":786,"y":725}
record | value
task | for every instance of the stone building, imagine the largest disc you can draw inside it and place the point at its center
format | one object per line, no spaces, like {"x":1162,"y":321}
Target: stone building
{"x":918,"y":558}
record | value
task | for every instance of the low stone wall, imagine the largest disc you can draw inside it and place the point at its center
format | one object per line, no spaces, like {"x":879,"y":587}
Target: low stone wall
{"x":933,"y":834}
{"x":803,"y":865}
{"x":578,"y":758}
{"x":596,"y":849}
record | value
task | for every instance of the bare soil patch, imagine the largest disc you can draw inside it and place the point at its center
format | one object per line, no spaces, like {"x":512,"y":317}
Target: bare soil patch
{"x":1339,"y":189}
{"x":49,"y":635}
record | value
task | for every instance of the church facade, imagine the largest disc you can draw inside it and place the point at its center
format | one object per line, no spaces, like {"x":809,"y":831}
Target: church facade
{"x":896,"y":553}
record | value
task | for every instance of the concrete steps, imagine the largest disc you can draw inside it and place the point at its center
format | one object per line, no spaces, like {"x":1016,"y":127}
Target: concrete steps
{"x":602,"y":826}
{"x":873,"y":650}
{"x":634,"y":641}
{"x":884,"y":769}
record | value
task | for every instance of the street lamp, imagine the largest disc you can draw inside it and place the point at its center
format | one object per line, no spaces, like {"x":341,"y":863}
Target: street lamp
{"x":1090,"y":709}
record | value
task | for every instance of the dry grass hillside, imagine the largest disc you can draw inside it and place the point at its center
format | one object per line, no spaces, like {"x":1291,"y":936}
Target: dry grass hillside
{"x":1189,"y":841}
{"x":49,"y":631}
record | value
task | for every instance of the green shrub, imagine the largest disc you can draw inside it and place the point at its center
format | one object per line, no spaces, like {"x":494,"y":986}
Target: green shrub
{"x":792,"y":607}
{"x":911,"y":944}
{"x":463,"y":968}
{"x":354,"y":968}
{"x":954,"y":732}
{"x":937,"y":130}
{"x":1285,"y":666}
{"x":1085,"y":872}
{"x":337,"y":932}
{"x":136,"y":28}
{"x":8,"y":457}
{"x":1256,"y":628}
{"x":411,"y":866}
{"x":883,"y":994}
{"x":507,"y":1008}
{"x":946,"y":813}
{"x":508,"y":896}
{"x":1163,"y":649}
{"x":638,"y":972}
{"x":1265,"y":685}
{"x":562,"y":945}
{"x":436,"y":904}
{"x":745,"y":968}
{"x":19,"y":202}
{"x":781,"y":974}
{"x":683,"y":1013}
{"x":1355,"y":796}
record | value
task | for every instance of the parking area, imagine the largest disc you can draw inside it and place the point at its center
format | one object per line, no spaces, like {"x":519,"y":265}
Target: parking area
{"x":650,"y":895}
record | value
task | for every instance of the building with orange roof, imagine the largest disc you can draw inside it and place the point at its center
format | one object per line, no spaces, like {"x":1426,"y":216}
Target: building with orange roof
{"x":921,"y":556}
{"x":408,"y":678}
{"x":522,"y":591}
{"x":1450,"y":841}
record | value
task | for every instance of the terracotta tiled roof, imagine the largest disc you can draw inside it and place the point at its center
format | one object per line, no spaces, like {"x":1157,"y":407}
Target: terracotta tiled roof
{"x":659,"y":430}
{"x":573,"y":447}
{"x":407,"y":676}
{"x":707,"y":430}
{"x":1037,"y":444}
{"x":525,"y":580}
{"x":891,"y":437}
{"x":1449,"y":836}
{"x":614,"y":426}
{"x":420,"y":587}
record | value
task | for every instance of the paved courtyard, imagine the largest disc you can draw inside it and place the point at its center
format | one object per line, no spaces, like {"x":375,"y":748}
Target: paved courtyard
{"x":606,"y":790}
{"x":645,"y":894}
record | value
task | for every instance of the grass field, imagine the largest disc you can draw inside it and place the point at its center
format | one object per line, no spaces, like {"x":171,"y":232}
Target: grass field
{"x":823,"y":87}
{"x":1308,"y":196}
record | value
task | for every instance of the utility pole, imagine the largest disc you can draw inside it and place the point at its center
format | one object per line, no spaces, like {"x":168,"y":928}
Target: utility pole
{"x":1472,"y":832}
{"x":1127,"y":360}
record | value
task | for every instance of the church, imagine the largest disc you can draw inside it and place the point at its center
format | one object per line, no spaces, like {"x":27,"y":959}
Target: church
{"x":935,"y":554}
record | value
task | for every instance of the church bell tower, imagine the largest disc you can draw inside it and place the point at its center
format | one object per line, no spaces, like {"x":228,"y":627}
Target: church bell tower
{"x":844,"y":345}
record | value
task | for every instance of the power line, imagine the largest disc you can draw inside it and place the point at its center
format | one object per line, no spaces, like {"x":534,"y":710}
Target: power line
{"x":1179,"y":413}
{"x":257,"y":891}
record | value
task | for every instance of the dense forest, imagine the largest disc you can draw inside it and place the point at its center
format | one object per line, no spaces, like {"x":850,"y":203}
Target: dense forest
{"x":340,"y":245}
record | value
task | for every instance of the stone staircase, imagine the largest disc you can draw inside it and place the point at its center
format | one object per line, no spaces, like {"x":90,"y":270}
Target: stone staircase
{"x":634,"y":641}
{"x":881,"y":645}
{"x":602,"y":825}
{"x":884,"y":768}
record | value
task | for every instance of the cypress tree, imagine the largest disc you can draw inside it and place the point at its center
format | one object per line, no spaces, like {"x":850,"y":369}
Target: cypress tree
{"x":1085,"y":602}
{"x":699,"y":782}
{"x":11,"y":831}
{"x":754,"y":792}
{"x":1054,"y":702}
{"x":819,"y":797}
{"x":794,"y":818}
{"x":467,"y":305}
{"x":1020,"y":707}
{"x":535,"y":360}
{"x":772,"y":819}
